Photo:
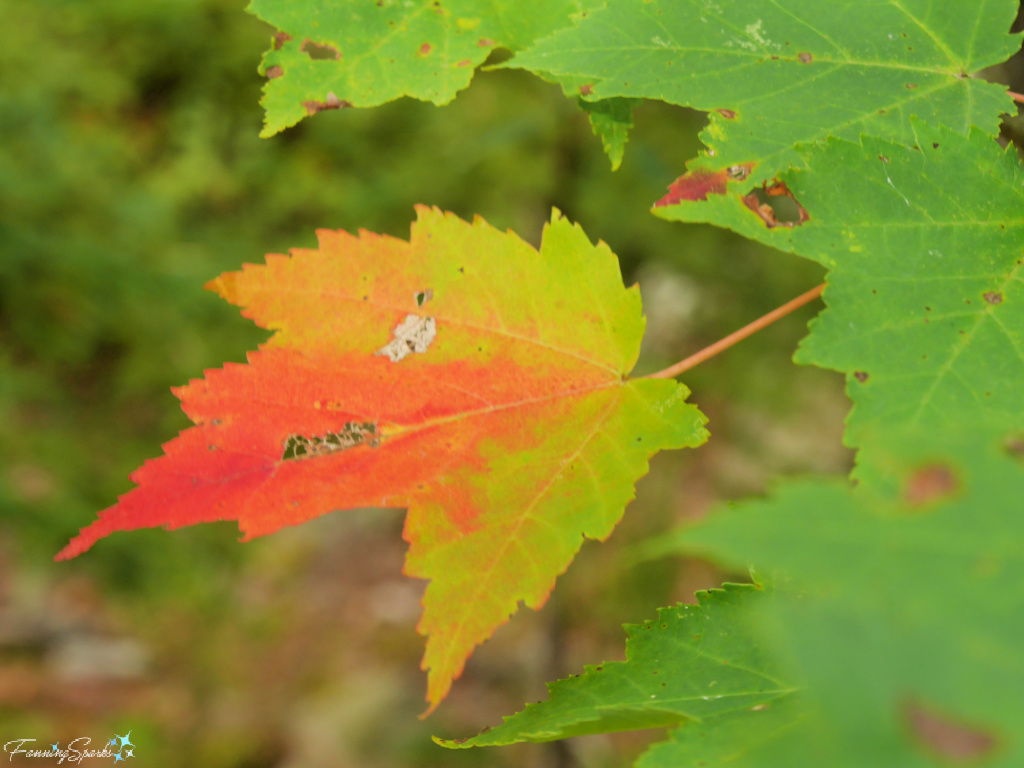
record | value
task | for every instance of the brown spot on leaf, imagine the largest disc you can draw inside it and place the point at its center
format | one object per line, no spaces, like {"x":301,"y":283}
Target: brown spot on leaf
{"x":586,"y":89}
{"x":274,"y":71}
{"x":728,"y":114}
{"x":993,"y":297}
{"x":1014,"y":445}
{"x":861,"y":376}
{"x":911,"y":86}
{"x":425,"y":49}
{"x":883,"y":158}
{"x":945,"y":737}
{"x":486,"y":42}
{"x":805,"y":57}
{"x":776,"y":206}
{"x":332,"y":102}
{"x":463,"y":63}
{"x":929,"y":483}
{"x":280,"y":39}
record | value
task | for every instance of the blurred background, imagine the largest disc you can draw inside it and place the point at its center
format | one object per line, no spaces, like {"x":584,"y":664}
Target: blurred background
{"x":130,"y":174}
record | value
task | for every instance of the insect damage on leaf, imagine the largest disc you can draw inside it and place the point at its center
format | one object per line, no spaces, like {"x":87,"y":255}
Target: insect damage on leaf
{"x":776,"y":205}
{"x":351,"y":435}
{"x":331,"y":102}
{"x":414,"y":334}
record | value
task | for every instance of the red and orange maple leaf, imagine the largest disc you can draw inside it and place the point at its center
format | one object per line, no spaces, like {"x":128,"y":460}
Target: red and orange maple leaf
{"x":463,"y":375}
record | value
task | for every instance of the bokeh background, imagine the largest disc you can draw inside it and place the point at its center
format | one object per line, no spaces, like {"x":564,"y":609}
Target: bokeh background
{"x":130,"y":174}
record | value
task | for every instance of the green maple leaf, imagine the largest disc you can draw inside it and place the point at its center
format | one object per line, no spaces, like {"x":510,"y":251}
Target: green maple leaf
{"x":701,"y":667}
{"x":330,"y":55}
{"x":905,"y":608}
{"x":923,"y":244}
{"x":774,"y":74}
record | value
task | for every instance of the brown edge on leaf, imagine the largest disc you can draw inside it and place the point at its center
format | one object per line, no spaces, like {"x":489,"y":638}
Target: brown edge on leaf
{"x":280,"y":39}
{"x":274,"y":71}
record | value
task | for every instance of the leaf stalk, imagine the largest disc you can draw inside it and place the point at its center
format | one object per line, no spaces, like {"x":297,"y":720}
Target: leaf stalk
{"x":737,"y":336}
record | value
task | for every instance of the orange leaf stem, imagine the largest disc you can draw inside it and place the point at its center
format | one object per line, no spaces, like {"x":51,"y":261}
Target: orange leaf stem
{"x":1016,"y":96}
{"x":736,"y":336}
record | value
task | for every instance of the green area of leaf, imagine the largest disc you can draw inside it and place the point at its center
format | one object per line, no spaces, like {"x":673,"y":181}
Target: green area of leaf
{"x":905,"y":605}
{"x":923,"y":246}
{"x":329,"y":55}
{"x":694,"y":664}
{"x":774,"y":74}
{"x":611,"y":120}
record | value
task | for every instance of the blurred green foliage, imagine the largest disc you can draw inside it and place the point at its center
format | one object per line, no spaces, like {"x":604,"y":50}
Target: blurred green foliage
{"x":130,"y":174}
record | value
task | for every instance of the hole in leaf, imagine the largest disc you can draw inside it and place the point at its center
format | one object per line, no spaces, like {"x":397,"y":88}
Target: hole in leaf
{"x":413,"y":334}
{"x":423,"y":297}
{"x":319,"y":51}
{"x":776,"y":206}
{"x":331,"y":102}
{"x":352,"y":434}
{"x":947,"y":738}
{"x":805,"y":58}
{"x":930,"y":483}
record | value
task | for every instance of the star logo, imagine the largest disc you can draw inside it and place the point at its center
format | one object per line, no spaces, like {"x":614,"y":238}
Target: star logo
{"x":118,"y":757}
{"x":124,"y":741}
{"x":55,"y":746}
{"x":129,"y":753}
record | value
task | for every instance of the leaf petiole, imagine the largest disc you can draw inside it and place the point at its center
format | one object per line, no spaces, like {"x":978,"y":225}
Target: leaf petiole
{"x":737,"y":336}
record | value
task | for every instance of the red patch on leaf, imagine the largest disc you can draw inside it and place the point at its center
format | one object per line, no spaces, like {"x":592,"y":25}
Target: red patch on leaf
{"x":485,"y":42}
{"x":695,"y":185}
{"x":587,"y":89}
{"x":463,"y":63}
{"x":425,"y":49}
{"x":280,"y":39}
{"x":728,"y":114}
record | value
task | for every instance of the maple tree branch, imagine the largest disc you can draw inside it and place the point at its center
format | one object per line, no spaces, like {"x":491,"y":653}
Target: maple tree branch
{"x":737,"y":336}
{"x":1016,"y":96}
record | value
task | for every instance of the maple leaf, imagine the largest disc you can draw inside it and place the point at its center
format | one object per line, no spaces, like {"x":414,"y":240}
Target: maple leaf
{"x":923,"y":247}
{"x":464,"y":375}
{"x":774,"y":74}
{"x":352,"y":53}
